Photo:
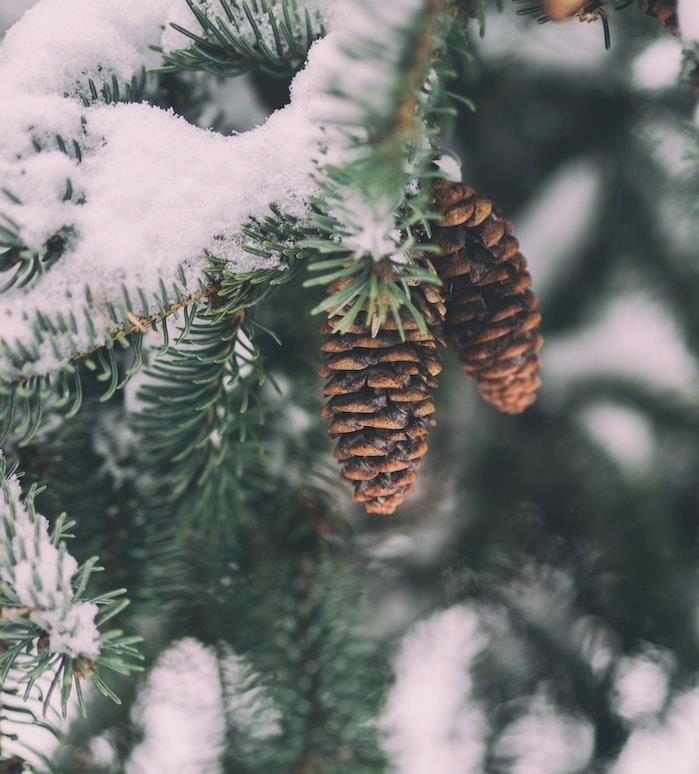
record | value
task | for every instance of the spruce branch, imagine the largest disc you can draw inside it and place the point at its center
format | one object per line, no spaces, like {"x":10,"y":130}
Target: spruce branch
{"x":272,"y":36}
{"x":202,"y":404}
{"x":17,"y":755}
{"x":25,"y":397}
{"x":111,"y":91}
{"x":50,"y":625}
{"x":371,"y":205}
{"x":25,"y":264}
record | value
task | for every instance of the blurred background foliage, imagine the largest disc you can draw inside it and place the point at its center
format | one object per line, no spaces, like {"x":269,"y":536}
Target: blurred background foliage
{"x":534,"y":608}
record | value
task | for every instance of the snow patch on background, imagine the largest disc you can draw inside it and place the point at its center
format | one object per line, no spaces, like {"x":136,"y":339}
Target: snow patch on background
{"x":180,"y":713}
{"x":671,"y":745}
{"x":545,"y":740}
{"x":658,"y":66}
{"x":564,"y":46}
{"x":431,"y":721}
{"x":688,"y":14}
{"x":641,"y":684}
{"x":556,"y":222}
{"x":625,"y":434}
{"x":626,"y":331}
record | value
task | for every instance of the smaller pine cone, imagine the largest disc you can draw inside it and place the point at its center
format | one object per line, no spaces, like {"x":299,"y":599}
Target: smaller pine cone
{"x":492,"y":314}
{"x":665,"y":11}
{"x":379,"y":390}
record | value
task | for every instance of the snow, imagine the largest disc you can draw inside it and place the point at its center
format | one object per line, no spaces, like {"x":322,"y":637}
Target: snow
{"x":113,"y":441}
{"x":158,"y":192}
{"x":58,"y":44}
{"x":641,"y":684}
{"x":671,"y":745}
{"x":38,"y":575}
{"x":365,"y":26}
{"x":545,"y":740}
{"x":10,"y":11}
{"x":449,"y":167}
{"x":145,"y":176}
{"x":248,"y":704}
{"x":431,"y":721}
{"x":688,"y":13}
{"x":564,"y":47}
{"x":558,"y":220}
{"x":180,"y":713}
{"x":658,"y":66}
{"x":619,"y":342}
{"x":193,"y":696}
{"x":625,"y":434}
{"x":362,"y":97}
{"x":41,"y":180}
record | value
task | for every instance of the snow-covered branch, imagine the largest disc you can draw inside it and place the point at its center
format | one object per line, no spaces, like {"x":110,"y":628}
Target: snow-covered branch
{"x":43,"y":605}
{"x":231,"y":37}
{"x":130,"y":193}
{"x":124,"y":184}
{"x":37,"y":577}
{"x":375,"y":69}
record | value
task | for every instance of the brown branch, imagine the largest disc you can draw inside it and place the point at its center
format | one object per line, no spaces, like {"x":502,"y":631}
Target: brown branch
{"x":417,"y":69}
{"x":12,"y":613}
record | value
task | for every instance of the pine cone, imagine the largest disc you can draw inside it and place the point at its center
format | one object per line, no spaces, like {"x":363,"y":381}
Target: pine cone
{"x":379,"y":392}
{"x":492,"y":314}
{"x":665,"y":11}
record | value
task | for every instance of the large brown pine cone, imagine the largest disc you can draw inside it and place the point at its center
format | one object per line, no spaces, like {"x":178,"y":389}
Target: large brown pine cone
{"x":665,"y":11}
{"x":492,"y":314}
{"x":379,"y":391}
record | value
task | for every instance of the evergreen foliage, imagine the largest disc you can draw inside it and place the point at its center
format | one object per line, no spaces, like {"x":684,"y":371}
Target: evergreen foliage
{"x":272,"y":37}
{"x":180,"y":427}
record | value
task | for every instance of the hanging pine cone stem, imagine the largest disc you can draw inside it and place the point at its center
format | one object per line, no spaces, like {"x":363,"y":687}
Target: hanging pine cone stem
{"x":493,"y":316}
{"x":379,"y":395}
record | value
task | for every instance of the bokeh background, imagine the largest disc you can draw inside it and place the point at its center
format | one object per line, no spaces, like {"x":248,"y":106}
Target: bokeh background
{"x":534,"y":609}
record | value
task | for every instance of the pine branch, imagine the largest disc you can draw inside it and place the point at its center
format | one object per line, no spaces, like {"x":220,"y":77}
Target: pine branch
{"x":202,"y":404}
{"x":110,"y":90}
{"x":370,"y":206}
{"x":18,"y":755}
{"x":26,"y":263}
{"x":199,"y":406}
{"x":49,"y":625}
{"x":272,"y":36}
{"x":23,"y":262}
{"x":26,"y":398}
